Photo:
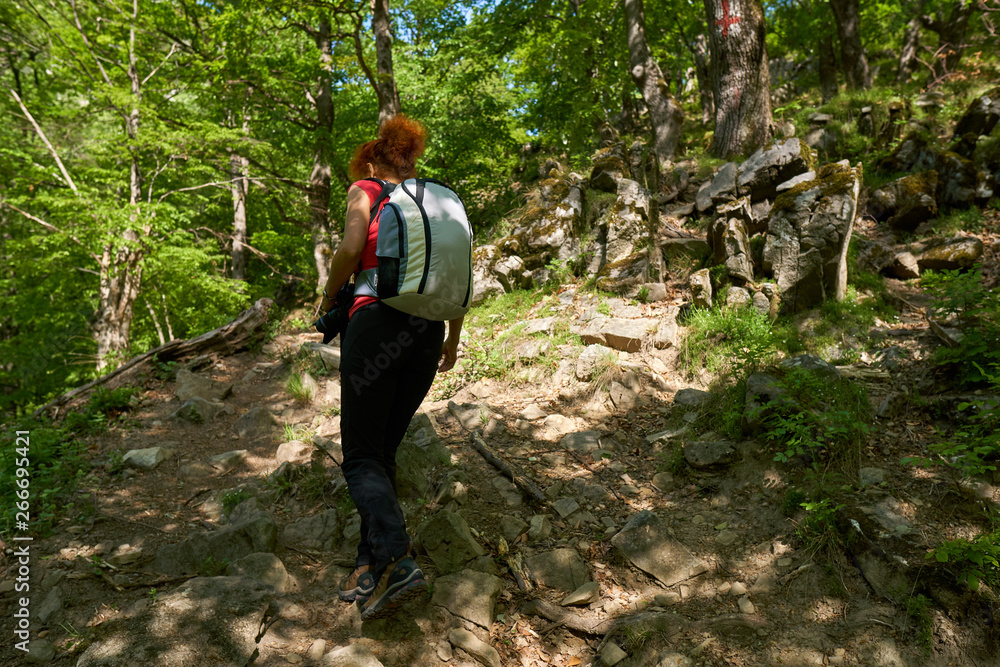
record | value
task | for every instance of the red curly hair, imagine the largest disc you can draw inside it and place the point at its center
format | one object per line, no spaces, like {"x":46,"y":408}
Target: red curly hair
{"x":400,"y":144}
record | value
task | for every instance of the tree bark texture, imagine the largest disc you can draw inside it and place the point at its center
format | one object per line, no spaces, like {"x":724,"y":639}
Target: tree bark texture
{"x":741,"y":81}
{"x":120,"y":265}
{"x":827,"y":66}
{"x":951,"y":38}
{"x":239,"y":167}
{"x":388,"y":95}
{"x":319,"y":179}
{"x":704,"y":79}
{"x":664,"y":111}
{"x":852,"y":54}
{"x":908,"y":54}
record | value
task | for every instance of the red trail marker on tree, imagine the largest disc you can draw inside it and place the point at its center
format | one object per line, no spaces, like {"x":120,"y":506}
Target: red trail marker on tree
{"x":726,"y":19}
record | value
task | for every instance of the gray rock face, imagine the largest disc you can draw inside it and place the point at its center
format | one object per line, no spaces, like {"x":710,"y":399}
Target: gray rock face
{"x":511,"y":273}
{"x":701,"y":289}
{"x":40,"y":652}
{"x":737,"y":297}
{"x":214,"y":618}
{"x":563,"y":569}
{"x":981,"y":116}
{"x":626,"y":223}
{"x":617,"y":332}
{"x":419,"y":452}
{"x":960,"y":252}
{"x":813,"y":364}
{"x":667,"y":330}
{"x":50,"y":606}
{"x":468,"y":594}
{"x":907,"y":202}
{"x":959,"y":180}
{"x":265,"y":568}
{"x":484,"y":283}
{"x":723,"y":186}
{"x":904,"y":266}
{"x":449,"y":542}
{"x":355,"y":655}
{"x":147,"y":458}
{"x":475,"y":647}
{"x":257,"y":534}
{"x":190,"y":385}
{"x":197,"y":410}
{"x":807,"y":238}
{"x":760,"y":175}
{"x":692,"y":398}
{"x":257,"y":422}
{"x":321,"y":532}
{"x":590,"y":358}
{"x":293,"y":451}
{"x":608,"y":168}
{"x":707,"y":454}
{"x":330,"y":356}
{"x":649,"y":545}
{"x":584,"y":442}
{"x":763,"y":392}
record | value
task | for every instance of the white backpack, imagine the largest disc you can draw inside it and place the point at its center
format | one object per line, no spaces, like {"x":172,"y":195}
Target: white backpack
{"x":424,"y":251}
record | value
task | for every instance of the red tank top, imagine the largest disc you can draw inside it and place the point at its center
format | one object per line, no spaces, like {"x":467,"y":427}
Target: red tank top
{"x":368,"y":259}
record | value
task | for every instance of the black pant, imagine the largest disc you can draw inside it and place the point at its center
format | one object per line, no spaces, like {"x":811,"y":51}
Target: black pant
{"x":388,"y":364}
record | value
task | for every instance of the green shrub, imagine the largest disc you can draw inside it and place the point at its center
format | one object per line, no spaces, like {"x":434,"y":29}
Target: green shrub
{"x":234,"y":498}
{"x":297,"y":389}
{"x":975,"y":560}
{"x":918,"y":609}
{"x":736,"y":341}
{"x":966,"y":296}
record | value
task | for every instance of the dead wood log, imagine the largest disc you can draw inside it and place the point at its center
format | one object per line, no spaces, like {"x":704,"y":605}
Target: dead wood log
{"x":225,"y":340}
{"x":509,"y":470}
{"x":567,"y":618}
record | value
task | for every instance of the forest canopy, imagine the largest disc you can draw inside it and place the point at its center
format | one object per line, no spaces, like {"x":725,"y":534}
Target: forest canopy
{"x":166,"y":163}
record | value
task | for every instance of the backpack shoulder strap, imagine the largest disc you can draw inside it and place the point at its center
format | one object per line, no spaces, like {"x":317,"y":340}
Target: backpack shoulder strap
{"x":387,"y":189}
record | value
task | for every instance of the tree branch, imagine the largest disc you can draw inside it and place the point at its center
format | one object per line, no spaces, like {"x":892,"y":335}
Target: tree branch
{"x":45,"y":140}
{"x":48,"y":226}
{"x":173,"y":47}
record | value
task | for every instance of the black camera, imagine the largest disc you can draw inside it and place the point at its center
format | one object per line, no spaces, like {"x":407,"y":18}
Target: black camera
{"x":334,"y":322}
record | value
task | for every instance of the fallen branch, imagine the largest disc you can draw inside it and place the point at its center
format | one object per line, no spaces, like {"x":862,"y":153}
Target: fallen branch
{"x":224,"y":340}
{"x":519,"y":478}
{"x":567,"y":618}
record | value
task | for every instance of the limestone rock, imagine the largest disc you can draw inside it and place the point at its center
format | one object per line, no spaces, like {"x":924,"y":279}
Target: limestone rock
{"x":265,"y":568}
{"x":468,"y":594}
{"x":981,"y":116}
{"x":206,"y":618}
{"x":692,"y":398}
{"x":190,"y":385}
{"x":256,"y":534}
{"x":320,"y":532}
{"x":737,"y":297}
{"x":562,"y":569}
{"x":293,"y":451}
{"x":475,"y":647}
{"x":485,"y":283}
{"x":618,"y":333}
{"x":667,"y":330}
{"x":354,"y":655}
{"x":761,"y":173}
{"x":148,"y":458}
{"x":808,"y":234}
{"x":904,"y":266}
{"x":511,"y":273}
{"x":608,"y":168}
{"x":589,"y":359}
{"x":647,"y":543}
{"x":449,"y":542}
{"x":701,"y":289}
{"x":960,"y":252}
{"x":329,"y":355}
{"x":40,"y":652}
{"x":226,"y":461}
{"x":197,"y":410}
{"x":707,"y":454}
{"x":906,"y":202}
{"x":512,"y":527}
{"x":589,"y":593}
{"x":257,"y":422}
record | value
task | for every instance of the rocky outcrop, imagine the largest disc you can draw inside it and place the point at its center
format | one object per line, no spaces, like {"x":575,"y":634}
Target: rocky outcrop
{"x":906,"y":202}
{"x":763,"y":171}
{"x":808,"y":232}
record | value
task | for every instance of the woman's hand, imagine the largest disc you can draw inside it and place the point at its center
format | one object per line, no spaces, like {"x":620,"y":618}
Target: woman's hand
{"x":449,"y":351}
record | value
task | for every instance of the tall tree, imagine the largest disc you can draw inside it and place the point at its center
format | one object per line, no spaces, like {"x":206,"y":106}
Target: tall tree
{"x":664,"y":111}
{"x":319,"y":179}
{"x":740,"y":76}
{"x":852,"y":53}
{"x":388,"y":94}
{"x":911,"y":43}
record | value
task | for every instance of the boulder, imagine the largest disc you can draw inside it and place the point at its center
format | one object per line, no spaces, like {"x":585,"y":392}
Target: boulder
{"x":722,"y":188}
{"x":197,"y":410}
{"x":647,"y":543}
{"x":320,"y":532}
{"x":737,"y":297}
{"x":907,"y":202}
{"x":147,"y":458}
{"x":329,"y":356}
{"x":419,"y":452}
{"x":354,"y":655}
{"x":608,"y":167}
{"x":981,"y":116}
{"x":808,"y":234}
{"x":469,"y":595}
{"x":293,"y":451}
{"x":904,"y":266}
{"x":708,"y":454}
{"x":626,"y":225}
{"x":761,"y":173}
{"x":484,"y":281}
{"x":448,"y":541}
{"x":265,"y":568}
{"x":589,"y":359}
{"x":511,"y":273}
{"x":960,"y":252}
{"x":257,"y":422}
{"x":206,"y":619}
{"x":701,"y":289}
{"x":616,"y":332}
{"x":476,"y":647}
{"x":563,"y":569}
{"x":959,"y":180}
{"x":254,"y":535}
{"x":190,"y":385}
{"x":548,"y":230}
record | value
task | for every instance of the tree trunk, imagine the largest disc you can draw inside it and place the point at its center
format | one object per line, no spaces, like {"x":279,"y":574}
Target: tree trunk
{"x":319,"y":180}
{"x":704,"y":79}
{"x":388,"y":96}
{"x":740,"y":78}
{"x":239,"y":184}
{"x":951,"y":38}
{"x":120,"y":268}
{"x":852,"y":54}
{"x":908,"y":55}
{"x":827,"y":67}
{"x":665,"y":113}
